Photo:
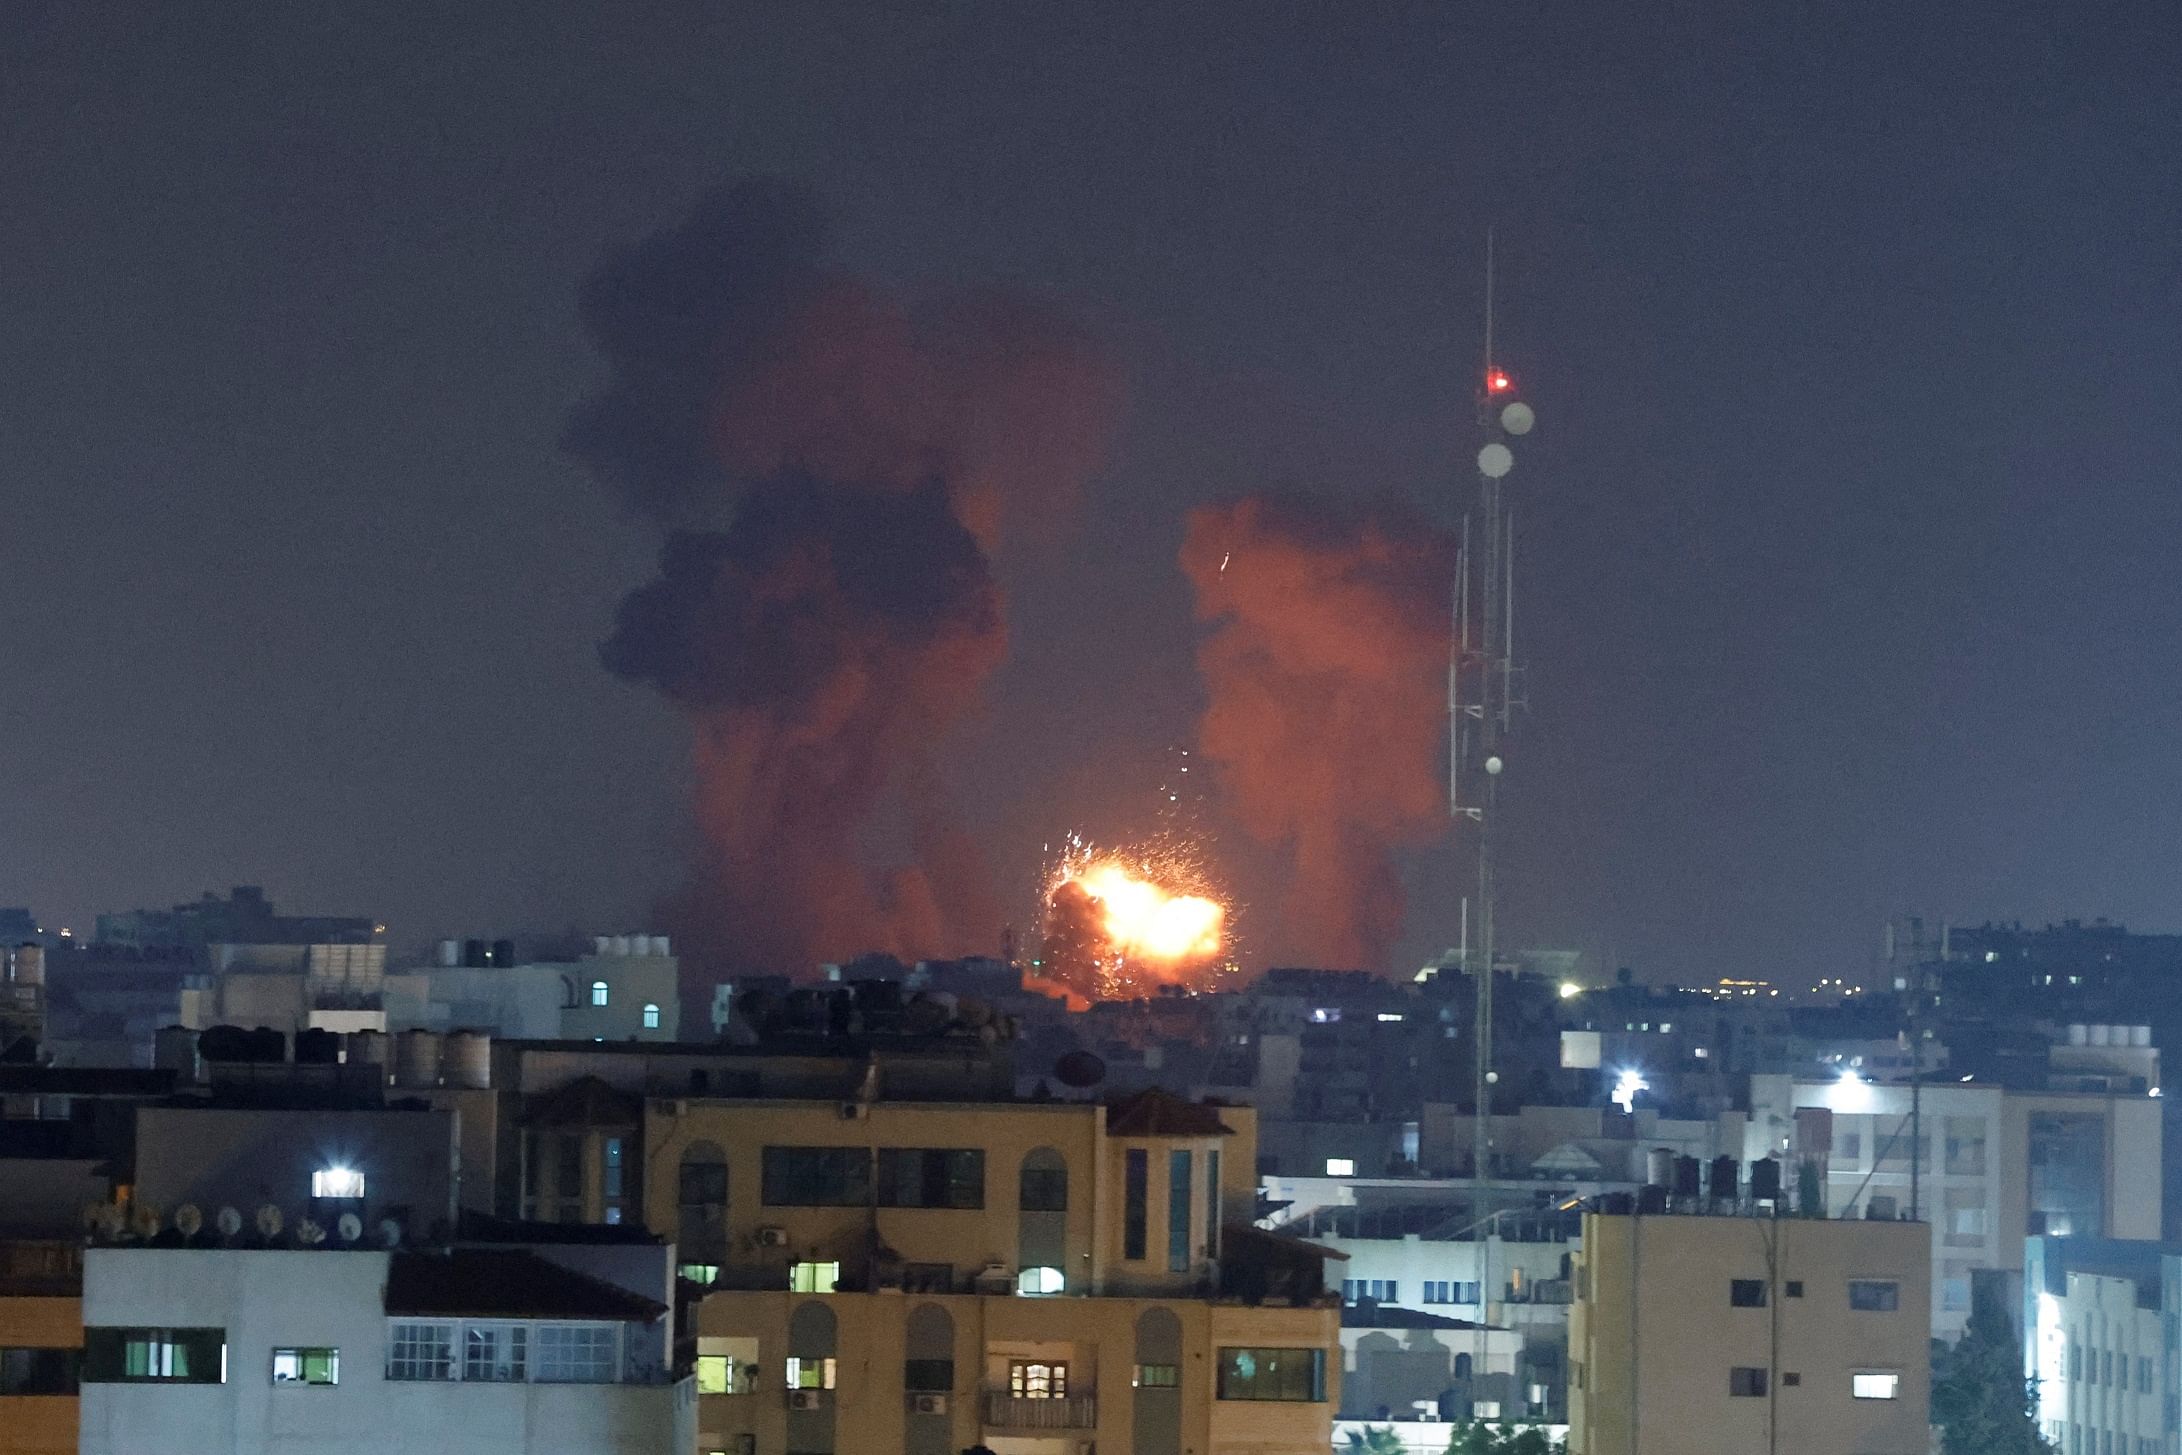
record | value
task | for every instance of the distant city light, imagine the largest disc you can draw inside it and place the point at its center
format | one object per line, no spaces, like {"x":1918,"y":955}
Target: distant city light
{"x":1626,"y":1088}
{"x":1498,"y":382}
{"x":1570,"y":990}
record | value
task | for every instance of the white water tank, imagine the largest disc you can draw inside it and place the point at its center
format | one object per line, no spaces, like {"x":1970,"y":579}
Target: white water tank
{"x":30,"y":965}
{"x":660,"y":947}
{"x":621,"y":944}
{"x":2102,"y":1035}
{"x":450,"y":954}
{"x":416,"y":1058}
{"x":467,"y":1060}
{"x":2140,"y":1035}
{"x":1659,"y":1167}
{"x":603,"y":944}
{"x":2079,"y":1035}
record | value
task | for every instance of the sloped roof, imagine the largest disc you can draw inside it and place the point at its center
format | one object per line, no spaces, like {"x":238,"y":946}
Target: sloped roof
{"x":1388,"y":1316}
{"x":505,"y":1283}
{"x":1156,"y":1113}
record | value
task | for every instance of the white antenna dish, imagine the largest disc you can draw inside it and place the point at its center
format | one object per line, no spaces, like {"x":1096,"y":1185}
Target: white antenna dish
{"x":351,"y":1227}
{"x":228,"y":1221}
{"x":1518,"y":418}
{"x":390,"y":1232}
{"x":309,"y":1233}
{"x":1495,"y":460}
{"x":187,"y":1220}
{"x":269,"y":1221}
{"x":144,"y":1220}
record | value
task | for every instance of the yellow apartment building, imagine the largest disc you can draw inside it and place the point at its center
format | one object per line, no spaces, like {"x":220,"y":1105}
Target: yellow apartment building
{"x":1704,"y":1335}
{"x":41,"y":1347}
{"x":914,"y":1277}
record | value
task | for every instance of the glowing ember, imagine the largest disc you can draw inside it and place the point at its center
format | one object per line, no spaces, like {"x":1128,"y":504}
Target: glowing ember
{"x":1117,"y":926}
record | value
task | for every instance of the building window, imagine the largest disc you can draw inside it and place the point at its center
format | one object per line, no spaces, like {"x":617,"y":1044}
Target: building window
{"x":306,"y":1366}
{"x":598,"y":992}
{"x":817,"y":1177}
{"x":1745,"y":1382}
{"x":1294,"y":1375}
{"x":810,"y":1373}
{"x":613,"y":1167}
{"x":1340,"y":1166}
{"x":1874,"y":1295}
{"x":495,"y":1353}
{"x":178,"y":1356}
{"x":1135,"y":1202}
{"x":1043,"y":1189}
{"x":726,"y":1366}
{"x":1378,"y":1290}
{"x":931,"y":1177}
{"x":1746,"y":1292}
{"x":2144,"y":1374}
{"x":1794,"y":1288}
{"x":1875,"y":1386}
{"x":421,"y":1351}
{"x":1157,"y":1376}
{"x":651,"y":1017}
{"x":814,"y":1277}
{"x":39,"y":1371}
{"x":1039,"y":1281}
{"x":928,"y":1376}
{"x":1037,"y":1379}
{"x":1789,"y":1379}
{"x":337,"y":1182}
{"x":578,"y":1353}
{"x":702,"y":1274}
{"x":1212,"y":1203}
{"x":1179,"y":1168}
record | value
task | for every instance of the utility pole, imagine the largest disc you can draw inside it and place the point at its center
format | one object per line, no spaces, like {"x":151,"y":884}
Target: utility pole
{"x":1483,"y":692}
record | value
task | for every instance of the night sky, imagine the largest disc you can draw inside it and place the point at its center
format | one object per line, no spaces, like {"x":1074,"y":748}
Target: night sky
{"x":1848,"y":565}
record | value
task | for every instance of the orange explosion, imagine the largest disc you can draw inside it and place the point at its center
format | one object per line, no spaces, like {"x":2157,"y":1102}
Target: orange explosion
{"x":1118,"y":926}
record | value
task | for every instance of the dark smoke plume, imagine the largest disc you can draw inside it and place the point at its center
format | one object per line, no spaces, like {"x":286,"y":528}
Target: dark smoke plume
{"x":1325,"y":668}
{"x":835,"y":470}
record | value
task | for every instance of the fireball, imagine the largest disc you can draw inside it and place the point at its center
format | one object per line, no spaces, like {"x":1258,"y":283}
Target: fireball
{"x":1118,"y":925}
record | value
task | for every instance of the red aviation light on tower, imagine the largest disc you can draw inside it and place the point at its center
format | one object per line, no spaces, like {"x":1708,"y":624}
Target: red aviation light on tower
{"x":1498,"y":382}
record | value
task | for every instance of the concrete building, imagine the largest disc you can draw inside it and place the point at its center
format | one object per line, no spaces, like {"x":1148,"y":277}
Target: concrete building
{"x":2097,"y":1338}
{"x":1695,"y":1335}
{"x":244,"y":917}
{"x":627,"y":989}
{"x":41,"y":1346}
{"x":1995,"y":1166}
{"x":1412,"y":1366}
{"x":1045,"y":1275}
{"x":473,"y":1351}
{"x":22,"y":1001}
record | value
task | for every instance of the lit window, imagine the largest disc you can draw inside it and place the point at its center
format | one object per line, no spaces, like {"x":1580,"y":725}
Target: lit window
{"x":1292,"y":1375}
{"x":1037,"y":1379}
{"x":578,"y":1353}
{"x":715,"y":1374}
{"x":1158,"y":1376}
{"x":651,"y":1017}
{"x":1340,"y":1167}
{"x":598,"y":992}
{"x":1875,"y":1386}
{"x":494,"y":1353}
{"x":337,"y":1182}
{"x":306,"y":1366}
{"x":810,"y":1373}
{"x":180,"y":1356}
{"x":700,"y":1272}
{"x":421,"y":1351}
{"x":1039,"y":1280}
{"x":813,"y":1277}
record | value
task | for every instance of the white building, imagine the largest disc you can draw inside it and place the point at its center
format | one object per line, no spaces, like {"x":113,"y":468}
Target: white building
{"x":1994,"y":1166}
{"x":627,"y":989}
{"x":497,"y":1351}
{"x":2096,"y":1341}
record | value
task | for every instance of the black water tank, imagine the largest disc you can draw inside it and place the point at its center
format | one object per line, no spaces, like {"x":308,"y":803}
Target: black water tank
{"x":1688,"y":1177}
{"x":224,"y":1043}
{"x":503,"y":952}
{"x":473,"y":954}
{"x":268,"y":1047}
{"x":1765,"y":1180}
{"x":1651,"y":1199}
{"x":316,"y":1046}
{"x":1726,"y":1178}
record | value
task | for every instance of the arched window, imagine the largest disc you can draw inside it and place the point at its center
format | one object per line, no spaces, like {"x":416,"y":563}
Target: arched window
{"x":1463,"y":1366}
{"x":568,"y":993}
{"x":651,"y":1017}
{"x":598,"y":992}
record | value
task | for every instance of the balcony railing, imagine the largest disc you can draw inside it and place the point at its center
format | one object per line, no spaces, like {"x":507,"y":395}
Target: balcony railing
{"x":1005,"y":1411}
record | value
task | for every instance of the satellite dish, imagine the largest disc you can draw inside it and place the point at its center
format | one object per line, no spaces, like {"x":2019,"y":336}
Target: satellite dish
{"x":187,"y":1220}
{"x":351,"y":1227}
{"x":1493,"y":765}
{"x":309,"y":1233}
{"x":1495,"y":460}
{"x":1517,"y":417}
{"x":1080,"y":1069}
{"x":228,"y":1221}
{"x":143,"y":1220}
{"x":390,"y":1232}
{"x":269,"y":1221}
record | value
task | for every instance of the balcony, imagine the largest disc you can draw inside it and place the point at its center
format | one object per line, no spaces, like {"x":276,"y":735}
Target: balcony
{"x":1005,"y":1411}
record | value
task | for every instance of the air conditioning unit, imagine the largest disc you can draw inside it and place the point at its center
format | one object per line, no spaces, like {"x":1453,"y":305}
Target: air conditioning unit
{"x":928,"y":1404}
{"x":803,"y":1399}
{"x":772,"y":1237}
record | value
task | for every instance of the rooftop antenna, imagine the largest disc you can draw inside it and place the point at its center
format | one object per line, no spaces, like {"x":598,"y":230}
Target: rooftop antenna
{"x":1484,"y":690}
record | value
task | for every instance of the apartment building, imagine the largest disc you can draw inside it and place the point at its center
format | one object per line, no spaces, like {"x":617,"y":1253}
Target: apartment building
{"x":1992,"y":1166}
{"x":41,"y":1346}
{"x":2099,"y":1340}
{"x":468,"y":1351}
{"x":1704,"y":1335}
{"x":914,"y":1276}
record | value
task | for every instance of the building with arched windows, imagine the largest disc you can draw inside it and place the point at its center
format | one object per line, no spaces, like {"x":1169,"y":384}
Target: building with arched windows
{"x":911,"y":1277}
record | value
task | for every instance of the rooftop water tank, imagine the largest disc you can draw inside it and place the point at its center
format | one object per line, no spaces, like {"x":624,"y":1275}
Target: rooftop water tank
{"x":467,"y":1060}
{"x":416,"y":1058}
{"x":450,"y":954}
{"x":174,"y":1048}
